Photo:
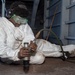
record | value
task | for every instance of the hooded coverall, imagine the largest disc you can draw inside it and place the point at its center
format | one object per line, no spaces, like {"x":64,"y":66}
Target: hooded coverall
{"x":12,"y":39}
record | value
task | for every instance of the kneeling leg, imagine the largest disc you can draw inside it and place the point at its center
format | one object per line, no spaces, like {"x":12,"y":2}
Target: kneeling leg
{"x":37,"y":59}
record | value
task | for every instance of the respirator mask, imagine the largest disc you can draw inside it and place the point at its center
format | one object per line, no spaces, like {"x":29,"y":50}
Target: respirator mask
{"x":19,"y":19}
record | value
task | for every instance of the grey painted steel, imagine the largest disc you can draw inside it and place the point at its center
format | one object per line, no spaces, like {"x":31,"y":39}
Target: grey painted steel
{"x":53,"y":14}
{"x":27,"y":0}
{"x":35,"y":7}
{"x":53,"y":3}
{"x":49,"y":9}
{"x":72,"y":5}
{"x":46,"y":15}
{"x":70,"y":38}
{"x":71,"y":23}
{"x":3,"y":8}
{"x":64,"y":23}
{"x":64,"y":17}
{"x":57,"y":20}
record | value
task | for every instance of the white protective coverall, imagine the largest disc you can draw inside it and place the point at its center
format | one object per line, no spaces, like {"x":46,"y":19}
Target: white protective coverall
{"x":12,"y":39}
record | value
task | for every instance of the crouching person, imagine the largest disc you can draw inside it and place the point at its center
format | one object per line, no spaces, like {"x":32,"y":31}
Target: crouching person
{"x":14,"y":31}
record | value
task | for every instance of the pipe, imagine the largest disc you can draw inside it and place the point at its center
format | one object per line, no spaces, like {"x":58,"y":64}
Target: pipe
{"x":3,"y":8}
{"x":64,"y":53}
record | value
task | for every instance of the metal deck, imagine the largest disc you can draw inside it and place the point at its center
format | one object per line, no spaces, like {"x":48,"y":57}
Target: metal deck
{"x":51,"y":66}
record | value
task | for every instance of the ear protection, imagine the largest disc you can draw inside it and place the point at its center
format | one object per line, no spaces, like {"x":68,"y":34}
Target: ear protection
{"x":9,"y":13}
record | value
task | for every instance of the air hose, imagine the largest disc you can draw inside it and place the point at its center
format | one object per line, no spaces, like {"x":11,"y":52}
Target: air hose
{"x":64,"y":53}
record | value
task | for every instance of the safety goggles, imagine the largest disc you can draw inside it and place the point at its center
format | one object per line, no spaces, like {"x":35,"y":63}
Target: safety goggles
{"x":19,"y":19}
